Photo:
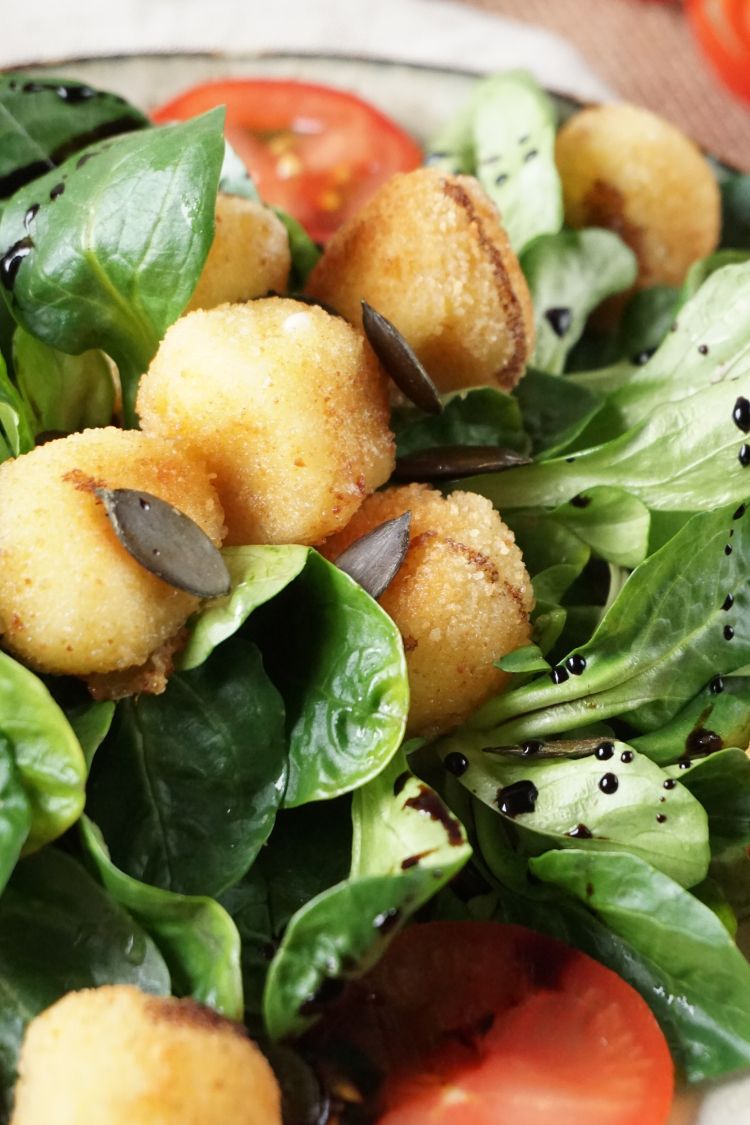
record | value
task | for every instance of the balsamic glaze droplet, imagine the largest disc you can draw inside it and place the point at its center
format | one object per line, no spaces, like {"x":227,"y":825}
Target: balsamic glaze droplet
{"x":501,"y":178}
{"x":702,"y":741}
{"x":530,"y":155}
{"x":580,"y":832}
{"x":456,"y":763}
{"x":703,"y":349}
{"x":728,"y":632}
{"x":604,"y":751}
{"x":716,"y":686}
{"x":741,"y":414}
{"x":685,"y":764}
{"x":528,"y":749}
{"x":739,"y":513}
{"x":627,"y":757}
{"x":576,"y":664}
{"x":518,"y":798}
{"x":451,"y":462}
{"x":56,"y":191}
{"x":728,"y":602}
{"x":166,"y":542}
{"x":374,"y":559}
{"x":559,"y":320}
{"x":30,"y":215}
{"x":400,"y":361}
{"x":661,"y":818}
{"x":385,"y":922}
{"x":400,"y":782}
{"x":581,"y":501}
{"x":12,"y":259}
{"x":609,"y":783}
{"x":744,"y":456}
{"x":669,"y":783}
{"x":558,"y":675}
{"x":728,"y":549}
{"x":641,"y":358}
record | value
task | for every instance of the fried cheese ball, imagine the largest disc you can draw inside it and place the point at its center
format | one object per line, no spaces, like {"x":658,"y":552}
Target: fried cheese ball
{"x":117,"y":1056}
{"x":72,"y":599}
{"x":634,"y":173}
{"x":287,"y":405}
{"x":429,"y":252}
{"x":461,"y":598}
{"x":249,"y":254}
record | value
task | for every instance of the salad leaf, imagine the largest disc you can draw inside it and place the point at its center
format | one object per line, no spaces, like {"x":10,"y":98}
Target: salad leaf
{"x":16,"y":422}
{"x":406,"y":846}
{"x":646,"y":320}
{"x":139,"y":220}
{"x":234,"y":178}
{"x":721,"y":783}
{"x":477,"y":416}
{"x":196,"y":936}
{"x":15,"y":813}
{"x":735,"y":212}
{"x":342,"y":675}
{"x":721,"y":710}
{"x":59,"y":931}
{"x":554,"y":415}
{"x":47,"y":754}
{"x":590,"y":794}
{"x":704,"y":267}
{"x":569,"y":274}
{"x":505,"y":136}
{"x":91,"y":722}
{"x":662,"y":640}
{"x":186,"y":787}
{"x":45,"y":121}
{"x":62,"y":393}
{"x":609,"y":520}
{"x":305,"y":253}
{"x":704,"y":998}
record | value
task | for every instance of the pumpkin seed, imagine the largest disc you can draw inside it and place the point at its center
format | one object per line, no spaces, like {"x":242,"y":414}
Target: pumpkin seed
{"x":374,"y":560}
{"x":400,"y":362}
{"x":450,"y":462}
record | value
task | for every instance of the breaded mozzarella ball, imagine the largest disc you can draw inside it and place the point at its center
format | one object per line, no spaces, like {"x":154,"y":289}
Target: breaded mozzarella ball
{"x":287,"y":405}
{"x":626,"y":169}
{"x":430,"y":253}
{"x":117,"y":1056}
{"x":249,"y":254}
{"x":72,"y":600}
{"x":461,"y":598}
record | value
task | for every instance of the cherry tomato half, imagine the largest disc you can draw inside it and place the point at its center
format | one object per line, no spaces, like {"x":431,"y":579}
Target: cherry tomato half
{"x":476,"y":1023}
{"x":317,"y":152}
{"x":722,"y":28}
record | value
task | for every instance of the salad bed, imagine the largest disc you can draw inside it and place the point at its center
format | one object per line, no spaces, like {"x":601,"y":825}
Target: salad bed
{"x":257,"y":835}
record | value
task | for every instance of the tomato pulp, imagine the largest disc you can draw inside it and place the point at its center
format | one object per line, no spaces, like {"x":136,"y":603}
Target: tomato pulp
{"x":722,"y":28}
{"x":317,"y":152}
{"x":476,"y":1023}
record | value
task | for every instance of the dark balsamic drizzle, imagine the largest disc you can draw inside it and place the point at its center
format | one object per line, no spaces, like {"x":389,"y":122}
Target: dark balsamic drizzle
{"x":400,"y":782}
{"x":661,"y":817}
{"x":641,"y":358}
{"x":517,"y":798}
{"x":559,"y":320}
{"x":456,"y":763}
{"x":703,"y":349}
{"x":703,"y":742}
{"x":728,"y":632}
{"x":30,"y":215}
{"x":739,"y":513}
{"x":728,"y":602}
{"x":604,"y":751}
{"x":429,"y":803}
{"x":576,"y":664}
{"x":627,"y":757}
{"x":580,"y":832}
{"x":728,"y":549}
{"x":717,"y":685}
{"x":581,"y":501}
{"x":12,"y":260}
{"x":609,"y":783}
{"x":744,"y":456}
{"x":741,"y":414}
{"x":56,"y":191}
{"x":558,"y":675}
{"x":670,"y":783}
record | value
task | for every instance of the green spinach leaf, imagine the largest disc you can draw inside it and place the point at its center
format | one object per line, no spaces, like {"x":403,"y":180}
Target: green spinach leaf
{"x":186,"y":786}
{"x":44,"y":121}
{"x":62,"y":393}
{"x":16,"y":421}
{"x":406,"y":846}
{"x":59,"y":931}
{"x":15,"y":813}
{"x":138,"y":217}
{"x":478,"y":416}
{"x":569,"y":274}
{"x":195,"y":936}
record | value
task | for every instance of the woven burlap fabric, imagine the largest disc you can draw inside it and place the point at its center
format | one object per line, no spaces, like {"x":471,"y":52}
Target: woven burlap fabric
{"x":647,"y":54}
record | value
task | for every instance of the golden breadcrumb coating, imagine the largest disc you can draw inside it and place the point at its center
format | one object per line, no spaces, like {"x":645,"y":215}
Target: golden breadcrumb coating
{"x":117,"y":1056}
{"x":72,"y":600}
{"x":461,"y":598}
{"x":287,"y":405}
{"x":626,"y":169}
{"x":429,"y":252}
{"x":249,"y":255}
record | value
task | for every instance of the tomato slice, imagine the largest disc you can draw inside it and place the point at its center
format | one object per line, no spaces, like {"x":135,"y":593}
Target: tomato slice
{"x":722,"y":28}
{"x":317,"y":152}
{"x":476,"y":1023}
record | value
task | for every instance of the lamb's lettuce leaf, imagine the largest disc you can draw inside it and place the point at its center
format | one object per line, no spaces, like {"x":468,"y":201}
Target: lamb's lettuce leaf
{"x":721,"y":782}
{"x":477,"y":416}
{"x":194,"y":934}
{"x":16,"y":420}
{"x":62,"y":393}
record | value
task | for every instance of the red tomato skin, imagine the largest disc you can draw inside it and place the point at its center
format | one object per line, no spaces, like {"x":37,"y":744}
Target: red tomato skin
{"x":722,"y":28}
{"x":318,"y":152}
{"x":479,"y":1023}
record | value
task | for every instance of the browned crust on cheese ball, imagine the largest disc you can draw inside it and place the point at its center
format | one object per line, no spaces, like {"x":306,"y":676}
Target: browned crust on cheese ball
{"x":626,"y":169}
{"x":461,"y":598}
{"x":429,"y":252}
